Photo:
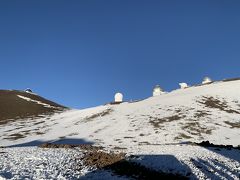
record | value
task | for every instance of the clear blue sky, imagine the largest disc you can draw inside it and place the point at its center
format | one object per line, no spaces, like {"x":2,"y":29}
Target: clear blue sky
{"x":80,"y":52}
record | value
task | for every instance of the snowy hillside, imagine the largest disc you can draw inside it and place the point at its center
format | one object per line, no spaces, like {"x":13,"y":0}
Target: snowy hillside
{"x":159,"y":126}
{"x":210,"y":112}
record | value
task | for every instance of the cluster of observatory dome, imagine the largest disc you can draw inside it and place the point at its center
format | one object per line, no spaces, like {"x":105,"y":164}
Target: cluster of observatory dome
{"x":157,"y":90}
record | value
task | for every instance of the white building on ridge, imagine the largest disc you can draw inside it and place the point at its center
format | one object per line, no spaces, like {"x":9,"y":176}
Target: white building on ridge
{"x":157,"y":91}
{"x":28,"y":90}
{"x":118,"y":98}
{"x":206,"y":80}
{"x":183,"y":85}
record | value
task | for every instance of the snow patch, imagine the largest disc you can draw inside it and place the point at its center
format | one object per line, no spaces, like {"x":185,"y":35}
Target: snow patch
{"x":35,"y":101}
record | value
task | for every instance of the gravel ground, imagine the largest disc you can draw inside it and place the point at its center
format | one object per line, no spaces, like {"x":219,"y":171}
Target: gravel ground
{"x":37,"y":163}
{"x":193,"y":162}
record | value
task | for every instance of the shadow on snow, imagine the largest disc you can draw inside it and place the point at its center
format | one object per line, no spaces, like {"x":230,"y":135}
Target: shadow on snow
{"x":69,"y":141}
{"x":144,"y":167}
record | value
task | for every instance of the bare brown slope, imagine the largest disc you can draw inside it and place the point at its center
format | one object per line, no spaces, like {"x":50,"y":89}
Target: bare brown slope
{"x":13,"y":107}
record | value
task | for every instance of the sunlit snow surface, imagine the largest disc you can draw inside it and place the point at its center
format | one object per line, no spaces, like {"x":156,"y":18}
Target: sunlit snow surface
{"x":35,"y":101}
{"x":157,"y":129}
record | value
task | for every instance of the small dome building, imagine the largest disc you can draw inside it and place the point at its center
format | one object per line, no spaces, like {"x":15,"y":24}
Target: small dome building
{"x":118,"y":98}
{"x":183,"y":85}
{"x":157,"y":91}
{"x":206,"y":80}
{"x":28,"y":90}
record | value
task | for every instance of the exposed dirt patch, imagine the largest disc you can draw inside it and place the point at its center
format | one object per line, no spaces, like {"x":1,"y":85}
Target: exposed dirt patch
{"x":87,"y":147}
{"x":62,"y":137}
{"x":101,"y":129}
{"x":200,"y":114}
{"x":26,"y":132}
{"x":128,"y":137}
{"x":182,"y":136}
{"x":178,"y":110}
{"x":101,"y":114}
{"x":232,"y":124}
{"x":15,"y":136}
{"x":39,"y":122}
{"x":39,"y":133}
{"x":121,"y":165}
{"x":194,"y":128}
{"x":49,"y":145}
{"x":212,"y":102}
{"x":100,"y":159}
{"x":72,"y":134}
{"x":144,"y":143}
{"x":14,"y":129}
{"x":119,"y":148}
{"x":157,"y":122}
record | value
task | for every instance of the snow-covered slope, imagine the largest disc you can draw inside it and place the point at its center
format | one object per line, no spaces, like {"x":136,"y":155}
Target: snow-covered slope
{"x":210,"y":112}
{"x":157,"y":129}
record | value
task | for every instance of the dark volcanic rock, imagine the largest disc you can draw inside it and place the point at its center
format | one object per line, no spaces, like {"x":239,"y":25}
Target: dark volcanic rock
{"x":13,"y":107}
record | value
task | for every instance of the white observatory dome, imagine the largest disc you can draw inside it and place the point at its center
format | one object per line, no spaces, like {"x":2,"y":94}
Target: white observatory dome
{"x":206,"y":80}
{"x":157,"y":91}
{"x":183,"y":85}
{"x":118,"y":97}
{"x":28,"y":90}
